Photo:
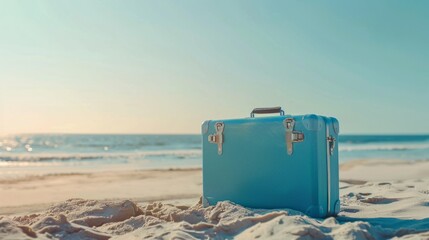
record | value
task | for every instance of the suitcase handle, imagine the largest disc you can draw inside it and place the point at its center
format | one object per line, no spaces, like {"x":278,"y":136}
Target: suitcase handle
{"x":267,"y":110}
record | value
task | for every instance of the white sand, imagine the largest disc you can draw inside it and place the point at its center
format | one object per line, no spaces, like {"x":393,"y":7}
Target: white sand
{"x":27,"y":193}
{"x":380,"y":199}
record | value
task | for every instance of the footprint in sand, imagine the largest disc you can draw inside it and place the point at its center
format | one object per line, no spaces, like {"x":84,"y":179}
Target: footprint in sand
{"x":379,"y":200}
{"x":353,"y":182}
{"x":365,"y":194}
{"x":349,"y":210}
{"x":384,"y":183}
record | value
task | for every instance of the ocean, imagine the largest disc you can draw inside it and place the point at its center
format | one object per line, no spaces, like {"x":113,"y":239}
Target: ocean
{"x":77,"y":153}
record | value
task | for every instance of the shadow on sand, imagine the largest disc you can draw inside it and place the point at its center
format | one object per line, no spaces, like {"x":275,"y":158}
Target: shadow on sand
{"x":401,"y":226}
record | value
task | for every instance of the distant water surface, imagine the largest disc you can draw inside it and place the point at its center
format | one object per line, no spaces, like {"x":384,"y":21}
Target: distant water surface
{"x":42,"y":154}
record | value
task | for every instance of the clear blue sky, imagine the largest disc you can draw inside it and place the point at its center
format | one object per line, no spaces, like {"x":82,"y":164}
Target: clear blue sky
{"x":165,"y":66}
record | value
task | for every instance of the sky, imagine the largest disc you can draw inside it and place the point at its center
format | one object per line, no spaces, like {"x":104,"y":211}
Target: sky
{"x":166,"y":66}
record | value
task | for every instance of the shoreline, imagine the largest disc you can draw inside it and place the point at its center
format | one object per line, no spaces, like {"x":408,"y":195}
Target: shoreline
{"x":343,"y":166}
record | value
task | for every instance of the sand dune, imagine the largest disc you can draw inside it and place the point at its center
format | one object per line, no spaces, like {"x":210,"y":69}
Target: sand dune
{"x":80,"y":219}
{"x":387,"y":207}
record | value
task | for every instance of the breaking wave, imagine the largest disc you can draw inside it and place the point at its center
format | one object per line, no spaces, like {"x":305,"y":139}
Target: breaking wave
{"x":44,"y":157}
{"x":382,"y":147}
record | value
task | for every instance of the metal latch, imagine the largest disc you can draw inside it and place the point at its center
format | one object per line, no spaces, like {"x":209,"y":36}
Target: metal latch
{"x":331,"y":142}
{"x":291,"y":135}
{"x":217,"y":138}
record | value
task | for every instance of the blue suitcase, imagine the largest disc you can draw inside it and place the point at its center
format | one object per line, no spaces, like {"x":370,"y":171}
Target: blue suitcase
{"x":273,"y":162}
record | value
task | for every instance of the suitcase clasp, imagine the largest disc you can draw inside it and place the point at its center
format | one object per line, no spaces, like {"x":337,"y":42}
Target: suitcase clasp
{"x":331,"y":142}
{"x":291,"y":135}
{"x":217,"y":138}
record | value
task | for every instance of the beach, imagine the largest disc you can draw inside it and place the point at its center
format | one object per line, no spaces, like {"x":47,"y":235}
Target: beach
{"x":380,"y":199}
{"x":151,"y":120}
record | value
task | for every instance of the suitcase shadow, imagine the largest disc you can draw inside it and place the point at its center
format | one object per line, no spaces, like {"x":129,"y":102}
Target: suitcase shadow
{"x":403,"y":226}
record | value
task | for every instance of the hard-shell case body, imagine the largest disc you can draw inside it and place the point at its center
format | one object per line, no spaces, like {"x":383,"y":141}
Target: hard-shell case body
{"x":273,"y":162}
